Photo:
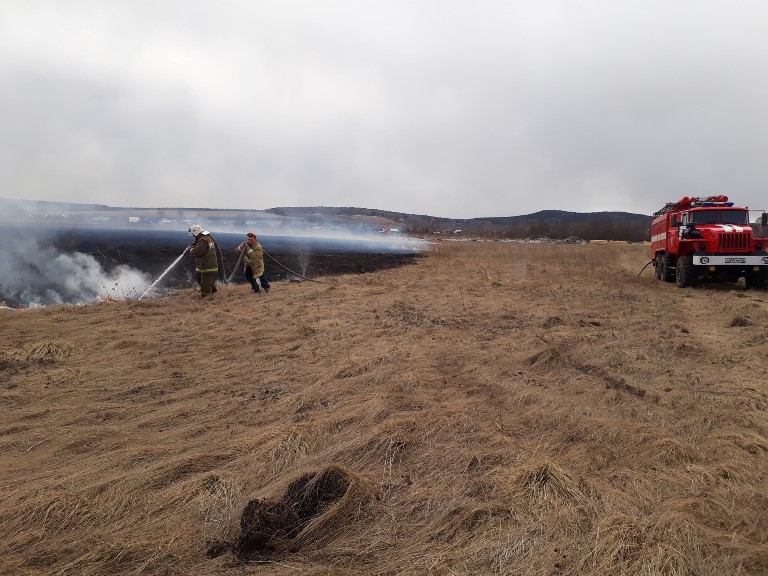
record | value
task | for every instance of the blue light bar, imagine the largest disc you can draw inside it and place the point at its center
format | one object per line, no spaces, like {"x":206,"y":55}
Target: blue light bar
{"x":710,"y":204}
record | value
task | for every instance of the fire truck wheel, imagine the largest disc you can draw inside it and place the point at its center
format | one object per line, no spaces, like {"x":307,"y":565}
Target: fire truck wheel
{"x":668,"y":269}
{"x":659,"y":265}
{"x":686,"y":272}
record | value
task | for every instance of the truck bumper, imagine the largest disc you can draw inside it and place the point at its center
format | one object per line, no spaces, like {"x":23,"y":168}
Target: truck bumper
{"x":705,"y":260}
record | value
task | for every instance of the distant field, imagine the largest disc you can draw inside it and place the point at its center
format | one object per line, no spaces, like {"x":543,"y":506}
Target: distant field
{"x":494,"y":408}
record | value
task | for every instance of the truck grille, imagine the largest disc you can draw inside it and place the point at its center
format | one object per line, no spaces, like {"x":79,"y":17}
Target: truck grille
{"x":734,"y":241}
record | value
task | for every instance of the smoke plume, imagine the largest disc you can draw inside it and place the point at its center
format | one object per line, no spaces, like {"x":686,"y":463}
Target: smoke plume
{"x":35,"y":275}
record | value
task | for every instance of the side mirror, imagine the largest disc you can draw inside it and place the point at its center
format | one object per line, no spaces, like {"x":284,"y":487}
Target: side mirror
{"x":764,"y":219}
{"x":676,"y":223}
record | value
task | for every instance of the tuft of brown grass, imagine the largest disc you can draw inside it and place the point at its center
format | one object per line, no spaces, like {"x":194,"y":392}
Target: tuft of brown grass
{"x":741,"y":321}
{"x":549,"y":483}
{"x":216,"y":499}
{"x":49,"y":351}
{"x":287,"y":448}
{"x":8,"y":360}
{"x":551,"y":358}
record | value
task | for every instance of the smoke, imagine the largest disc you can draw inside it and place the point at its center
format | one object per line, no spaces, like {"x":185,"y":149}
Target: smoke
{"x":35,"y":275}
{"x":46,"y":256}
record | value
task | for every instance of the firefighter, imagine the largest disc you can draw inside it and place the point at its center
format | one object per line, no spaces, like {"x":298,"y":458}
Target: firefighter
{"x":253,"y":260}
{"x":206,"y":262}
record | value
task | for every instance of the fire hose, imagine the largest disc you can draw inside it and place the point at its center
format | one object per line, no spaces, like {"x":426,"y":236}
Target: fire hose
{"x":223,"y":269}
{"x":644,"y":267}
{"x":291,"y":271}
{"x":237,"y":265}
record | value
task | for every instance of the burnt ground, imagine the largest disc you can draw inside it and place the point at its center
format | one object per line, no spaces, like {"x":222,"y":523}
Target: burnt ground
{"x":151,"y":251}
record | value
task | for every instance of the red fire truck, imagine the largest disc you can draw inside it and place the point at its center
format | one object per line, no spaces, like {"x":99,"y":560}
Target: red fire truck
{"x":697,"y":239}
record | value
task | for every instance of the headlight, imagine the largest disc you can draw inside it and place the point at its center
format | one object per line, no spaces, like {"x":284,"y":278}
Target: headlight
{"x":705,"y":260}
{"x":764,"y":259}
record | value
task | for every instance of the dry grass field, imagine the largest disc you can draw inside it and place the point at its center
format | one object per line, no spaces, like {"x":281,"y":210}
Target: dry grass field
{"x":504,"y":409}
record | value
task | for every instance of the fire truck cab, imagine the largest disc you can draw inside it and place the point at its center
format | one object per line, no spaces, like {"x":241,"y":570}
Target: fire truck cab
{"x":697,"y":239}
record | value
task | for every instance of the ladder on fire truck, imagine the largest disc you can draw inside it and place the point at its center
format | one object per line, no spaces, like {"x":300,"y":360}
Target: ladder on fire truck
{"x":693,"y":202}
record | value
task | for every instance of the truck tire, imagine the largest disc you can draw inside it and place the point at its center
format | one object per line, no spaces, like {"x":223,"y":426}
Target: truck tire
{"x":757,"y":280}
{"x":668,"y":268}
{"x":686,"y":272}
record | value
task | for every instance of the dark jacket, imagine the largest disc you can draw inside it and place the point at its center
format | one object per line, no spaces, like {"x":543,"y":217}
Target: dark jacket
{"x":204,"y":251}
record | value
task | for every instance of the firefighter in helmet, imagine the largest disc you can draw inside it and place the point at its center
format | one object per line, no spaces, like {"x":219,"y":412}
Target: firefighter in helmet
{"x":206,"y":261}
{"x":253,"y":259}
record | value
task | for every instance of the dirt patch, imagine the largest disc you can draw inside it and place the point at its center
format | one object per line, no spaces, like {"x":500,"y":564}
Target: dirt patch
{"x":312,"y":508}
{"x":264,"y":525}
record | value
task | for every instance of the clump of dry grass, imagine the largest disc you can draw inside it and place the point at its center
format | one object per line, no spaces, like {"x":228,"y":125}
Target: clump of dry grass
{"x":624,"y":546}
{"x":551,"y":358}
{"x":327,"y":324}
{"x":671,"y":451}
{"x":288,"y":448}
{"x":547,"y":482}
{"x":619,"y":542}
{"x":330,"y":500}
{"x":8,"y":360}
{"x":49,"y":351}
{"x":406,"y":313}
{"x":750,"y":442}
{"x":217,"y":496}
{"x":553,"y":321}
{"x":741,"y":321}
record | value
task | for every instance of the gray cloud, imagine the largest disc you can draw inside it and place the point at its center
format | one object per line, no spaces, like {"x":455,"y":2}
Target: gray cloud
{"x":443,"y":108}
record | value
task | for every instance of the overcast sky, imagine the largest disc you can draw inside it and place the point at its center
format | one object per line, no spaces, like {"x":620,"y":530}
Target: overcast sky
{"x":457,"y":109}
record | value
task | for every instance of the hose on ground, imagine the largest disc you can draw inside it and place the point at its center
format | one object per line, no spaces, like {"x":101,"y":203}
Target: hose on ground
{"x":291,"y":271}
{"x":644,"y":267}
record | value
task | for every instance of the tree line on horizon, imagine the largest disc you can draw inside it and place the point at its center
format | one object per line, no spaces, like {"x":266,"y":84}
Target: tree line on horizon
{"x":555,"y":224}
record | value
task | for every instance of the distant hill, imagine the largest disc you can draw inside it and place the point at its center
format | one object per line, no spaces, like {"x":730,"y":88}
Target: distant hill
{"x":8,"y":205}
{"x":550,"y":223}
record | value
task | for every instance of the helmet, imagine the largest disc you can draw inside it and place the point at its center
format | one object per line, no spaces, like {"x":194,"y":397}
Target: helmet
{"x":195,"y":230}
{"x":251,"y":235}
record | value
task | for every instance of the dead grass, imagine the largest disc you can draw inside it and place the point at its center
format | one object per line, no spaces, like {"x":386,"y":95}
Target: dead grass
{"x":49,"y":351}
{"x":552,"y":414}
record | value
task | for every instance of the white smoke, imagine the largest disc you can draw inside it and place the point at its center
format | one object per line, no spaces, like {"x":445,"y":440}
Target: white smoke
{"x":33,"y":275}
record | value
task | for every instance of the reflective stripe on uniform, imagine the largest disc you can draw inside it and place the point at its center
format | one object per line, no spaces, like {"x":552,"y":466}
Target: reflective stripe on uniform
{"x":207,"y":270}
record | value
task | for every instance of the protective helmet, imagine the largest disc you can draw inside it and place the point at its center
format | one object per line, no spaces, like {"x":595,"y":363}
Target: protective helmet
{"x":195,"y":230}
{"x":251,"y":235}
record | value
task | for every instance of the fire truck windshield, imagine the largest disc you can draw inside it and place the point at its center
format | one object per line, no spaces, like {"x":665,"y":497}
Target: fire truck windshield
{"x":739,"y":217}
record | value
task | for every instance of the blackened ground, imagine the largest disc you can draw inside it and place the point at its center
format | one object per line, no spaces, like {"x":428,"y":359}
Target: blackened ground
{"x":152,"y":251}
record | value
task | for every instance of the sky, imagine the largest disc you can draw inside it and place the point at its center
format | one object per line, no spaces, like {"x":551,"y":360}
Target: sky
{"x":448,"y":108}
